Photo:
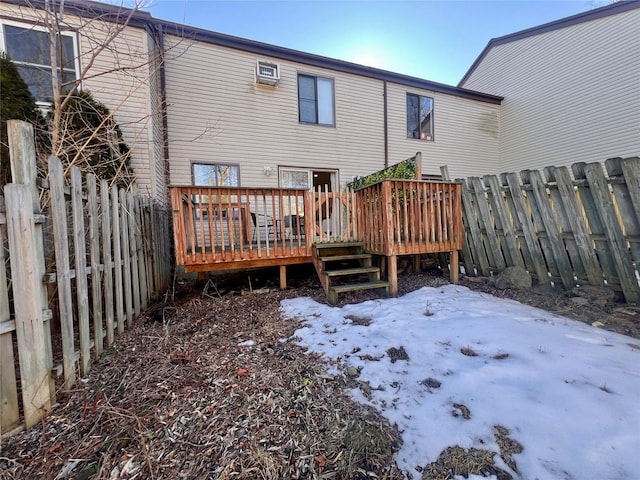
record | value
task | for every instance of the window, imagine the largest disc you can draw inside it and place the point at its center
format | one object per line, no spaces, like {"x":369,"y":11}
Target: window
{"x":419,"y":117}
{"x":216,"y":175}
{"x":29,"y":49}
{"x":315,"y":100}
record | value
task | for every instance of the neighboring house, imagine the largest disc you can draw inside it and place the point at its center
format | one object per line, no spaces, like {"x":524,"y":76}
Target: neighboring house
{"x":124,"y":75}
{"x":571,"y":88}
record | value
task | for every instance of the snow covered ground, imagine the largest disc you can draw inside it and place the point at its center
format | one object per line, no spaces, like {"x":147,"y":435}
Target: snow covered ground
{"x":569,"y":393}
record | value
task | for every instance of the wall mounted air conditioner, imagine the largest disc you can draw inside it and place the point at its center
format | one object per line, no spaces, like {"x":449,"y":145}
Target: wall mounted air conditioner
{"x":267,"y":73}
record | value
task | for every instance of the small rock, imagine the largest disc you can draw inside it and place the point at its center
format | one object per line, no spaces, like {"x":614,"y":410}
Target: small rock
{"x":580,"y":300}
{"x":598,"y":295}
{"x":515,"y":277}
{"x":397,"y":354}
{"x":352,"y":372}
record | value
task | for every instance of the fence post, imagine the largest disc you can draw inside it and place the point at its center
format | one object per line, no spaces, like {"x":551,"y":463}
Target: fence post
{"x":28,"y":269}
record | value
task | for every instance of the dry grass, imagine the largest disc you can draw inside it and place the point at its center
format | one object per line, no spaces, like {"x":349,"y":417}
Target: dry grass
{"x":182,"y":395}
{"x":189,"y":397}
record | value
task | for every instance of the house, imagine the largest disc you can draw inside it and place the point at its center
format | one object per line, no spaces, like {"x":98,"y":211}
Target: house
{"x":241,"y":130}
{"x":315,"y":120}
{"x":571,"y":88}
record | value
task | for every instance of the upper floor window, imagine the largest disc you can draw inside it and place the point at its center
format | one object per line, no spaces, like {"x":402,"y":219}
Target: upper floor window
{"x":419,"y":117}
{"x":216,"y":175}
{"x":315,"y":100}
{"x":28,"y":48}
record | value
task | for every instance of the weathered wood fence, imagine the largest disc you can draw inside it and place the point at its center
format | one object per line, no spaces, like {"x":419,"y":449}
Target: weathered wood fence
{"x":80,"y":265}
{"x":572,"y":231}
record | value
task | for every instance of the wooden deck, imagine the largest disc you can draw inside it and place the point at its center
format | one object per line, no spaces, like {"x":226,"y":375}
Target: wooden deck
{"x":229,"y":228}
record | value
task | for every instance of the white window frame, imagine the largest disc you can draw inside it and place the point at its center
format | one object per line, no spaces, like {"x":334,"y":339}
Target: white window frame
{"x":213,"y":165}
{"x":27,"y":26}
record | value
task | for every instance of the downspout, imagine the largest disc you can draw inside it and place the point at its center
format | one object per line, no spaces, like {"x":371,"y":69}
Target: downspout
{"x":163,"y":108}
{"x":386,"y":126}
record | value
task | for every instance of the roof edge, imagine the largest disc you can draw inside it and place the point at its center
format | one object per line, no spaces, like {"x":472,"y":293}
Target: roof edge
{"x":141,"y":19}
{"x":589,"y":15}
{"x":283,"y":53}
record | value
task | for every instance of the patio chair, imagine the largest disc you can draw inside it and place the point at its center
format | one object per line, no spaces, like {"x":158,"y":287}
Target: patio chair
{"x":291,"y":225}
{"x":260,"y":220}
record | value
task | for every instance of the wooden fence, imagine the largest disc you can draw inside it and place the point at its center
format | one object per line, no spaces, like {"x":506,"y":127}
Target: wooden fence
{"x":80,"y":265}
{"x":572,"y":231}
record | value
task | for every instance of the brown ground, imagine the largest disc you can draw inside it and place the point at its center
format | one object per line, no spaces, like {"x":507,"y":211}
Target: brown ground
{"x":208,"y":388}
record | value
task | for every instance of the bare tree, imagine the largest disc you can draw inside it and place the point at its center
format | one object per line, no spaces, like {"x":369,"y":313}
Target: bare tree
{"x":111,"y":59}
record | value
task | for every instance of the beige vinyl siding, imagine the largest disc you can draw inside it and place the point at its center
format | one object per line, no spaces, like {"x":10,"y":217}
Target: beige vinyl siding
{"x":156,"y":141}
{"x":217,"y":113}
{"x":118,"y":78}
{"x":465,"y":133}
{"x":571,"y":94}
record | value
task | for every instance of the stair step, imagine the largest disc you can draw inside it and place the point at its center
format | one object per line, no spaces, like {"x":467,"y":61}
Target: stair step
{"x":353,"y":256}
{"x":338,"y":245}
{"x":359,"y":286}
{"x":351,"y":271}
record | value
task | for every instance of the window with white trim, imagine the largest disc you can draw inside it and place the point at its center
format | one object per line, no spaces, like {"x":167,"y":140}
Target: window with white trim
{"x":315,"y":100}
{"x":216,"y":175}
{"x":28,"y":48}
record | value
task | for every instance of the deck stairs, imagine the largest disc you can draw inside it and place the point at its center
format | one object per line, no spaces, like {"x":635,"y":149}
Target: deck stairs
{"x":345,"y":267}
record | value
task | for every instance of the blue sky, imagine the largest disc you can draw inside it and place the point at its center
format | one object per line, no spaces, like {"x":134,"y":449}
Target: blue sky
{"x":434,"y":40}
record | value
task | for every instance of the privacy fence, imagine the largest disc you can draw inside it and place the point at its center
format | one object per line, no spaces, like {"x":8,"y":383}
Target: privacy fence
{"x":573,"y":230}
{"x":80,"y":260}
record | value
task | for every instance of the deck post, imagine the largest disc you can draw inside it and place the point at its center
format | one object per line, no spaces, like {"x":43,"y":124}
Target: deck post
{"x":416,"y":263}
{"x":454,"y":267}
{"x":283,"y":277}
{"x":392,"y":261}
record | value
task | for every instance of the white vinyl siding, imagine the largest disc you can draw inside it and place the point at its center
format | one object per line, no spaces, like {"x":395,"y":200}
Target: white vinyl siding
{"x":571,"y":95}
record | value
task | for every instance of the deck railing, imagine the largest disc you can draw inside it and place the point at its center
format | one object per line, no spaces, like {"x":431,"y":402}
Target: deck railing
{"x":403,"y":217}
{"x":230,"y":226}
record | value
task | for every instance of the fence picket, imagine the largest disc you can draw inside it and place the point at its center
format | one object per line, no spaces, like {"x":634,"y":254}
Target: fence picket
{"x":526,"y":225}
{"x":543,"y":206}
{"x":624,"y":195}
{"x":9,"y":412}
{"x":578,"y":225}
{"x":613,"y":231}
{"x":117,"y":259}
{"x":503,"y":221}
{"x":63,"y":274}
{"x":473,"y":235}
{"x":94,"y":255}
{"x":140,"y":252}
{"x":135,"y":285}
{"x":488,"y":231}
{"x":107,"y":260}
{"x":82,"y":290}
{"x":126,"y":257}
